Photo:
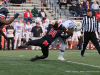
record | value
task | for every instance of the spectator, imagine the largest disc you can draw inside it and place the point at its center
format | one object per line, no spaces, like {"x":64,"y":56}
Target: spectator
{"x":87,"y":6}
{"x":34,"y":12}
{"x":10,"y":34}
{"x":27,"y":15}
{"x":37,"y":32}
{"x":5,"y":3}
{"x":73,"y":10}
{"x":44,"y":3}
{"x":78,"y":4}
{"x":84,"y":2}
{"x":95,"y":6}
{"x":69,"y":1}
{"x":42,"y":14}
{"x":62,"y":2}
{"x":97,"y":15}
{"x":0,"y":4}
{"x":80,"y":10}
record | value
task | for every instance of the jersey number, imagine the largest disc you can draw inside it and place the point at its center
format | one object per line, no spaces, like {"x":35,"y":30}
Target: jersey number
{"x":52,"y":32}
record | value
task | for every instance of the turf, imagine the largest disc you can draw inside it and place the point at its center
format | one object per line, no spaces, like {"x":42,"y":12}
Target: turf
{"x":18,"y":63}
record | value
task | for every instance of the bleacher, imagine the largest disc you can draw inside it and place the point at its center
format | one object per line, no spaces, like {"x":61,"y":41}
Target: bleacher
{"x":53,"y":7}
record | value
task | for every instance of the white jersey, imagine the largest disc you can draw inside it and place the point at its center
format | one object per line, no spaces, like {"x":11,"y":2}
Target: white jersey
{"x":68,"y":24}
{"x":19,"y":27}
{"x":28,"y":28}
{"x":45,"y":25}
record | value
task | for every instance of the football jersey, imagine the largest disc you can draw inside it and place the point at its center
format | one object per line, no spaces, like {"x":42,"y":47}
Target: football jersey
{"x":52,"y":34}
{"x":46,"y":26}
{"x":67,"y":24}
{"x":28,"y":28}
{"x":18,"y":27}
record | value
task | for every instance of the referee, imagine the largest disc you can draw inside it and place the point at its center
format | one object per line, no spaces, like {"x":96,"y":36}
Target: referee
{"x":89,"y":23}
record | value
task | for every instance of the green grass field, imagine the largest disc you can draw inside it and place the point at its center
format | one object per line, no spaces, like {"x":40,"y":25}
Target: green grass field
{"x":18,"y":63}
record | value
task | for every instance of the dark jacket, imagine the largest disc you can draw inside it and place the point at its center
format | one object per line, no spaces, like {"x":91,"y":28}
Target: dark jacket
{"x":34,"y":12}
{"x":80,"y":10}
{"x":40,"y":15}
{"x":73,"y":8}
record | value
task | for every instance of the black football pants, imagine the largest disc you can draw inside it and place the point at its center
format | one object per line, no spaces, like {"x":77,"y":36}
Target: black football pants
{"x":39,"y":42}
{"x":12,"y":39}
{"x":92,"y":37}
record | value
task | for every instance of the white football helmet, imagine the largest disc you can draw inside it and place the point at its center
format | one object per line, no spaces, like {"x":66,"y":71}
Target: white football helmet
{"x":77,"y":26}
{"x":47,"y":21}
{"x":37,"y":19}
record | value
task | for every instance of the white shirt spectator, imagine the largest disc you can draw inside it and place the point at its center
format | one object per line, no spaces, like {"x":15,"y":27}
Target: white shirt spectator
{"x":43,"y":14}
{"x":95,"y":6}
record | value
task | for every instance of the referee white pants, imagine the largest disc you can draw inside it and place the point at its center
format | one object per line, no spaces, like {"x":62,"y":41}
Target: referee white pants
{"x":33,"y":47}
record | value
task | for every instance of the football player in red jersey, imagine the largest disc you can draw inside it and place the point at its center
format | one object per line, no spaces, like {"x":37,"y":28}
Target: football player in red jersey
{"x":52,"y":33}
{"x":3,"y":15}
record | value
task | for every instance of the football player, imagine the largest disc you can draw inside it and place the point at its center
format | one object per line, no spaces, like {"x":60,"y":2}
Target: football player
{"x":3,"y":15}
{"x":52,"y":33}
{"x":28,"y":28}
{"x":19,"y":28}
{"x":66,"y":24}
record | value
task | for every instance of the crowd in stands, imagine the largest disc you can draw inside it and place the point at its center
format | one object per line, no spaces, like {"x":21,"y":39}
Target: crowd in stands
{"x":79,"y":8}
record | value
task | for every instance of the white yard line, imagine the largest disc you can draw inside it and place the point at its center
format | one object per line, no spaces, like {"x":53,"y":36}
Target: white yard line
{"x":77,"y":63}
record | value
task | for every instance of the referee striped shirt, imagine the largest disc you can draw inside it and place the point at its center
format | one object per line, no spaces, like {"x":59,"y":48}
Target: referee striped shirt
{"x":89,"y":24}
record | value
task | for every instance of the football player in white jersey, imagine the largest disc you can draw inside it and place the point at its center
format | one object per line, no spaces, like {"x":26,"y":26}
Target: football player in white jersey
{"x":66,"y":24}
{"x":74,"y":39}
{"x":36,"y":20}
{"x":46,"y":24}
{"x":19,"y":28}
{"x":28,"y":28}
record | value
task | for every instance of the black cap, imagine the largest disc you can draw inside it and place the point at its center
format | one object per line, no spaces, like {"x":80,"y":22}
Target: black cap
{"x":89,"y":10}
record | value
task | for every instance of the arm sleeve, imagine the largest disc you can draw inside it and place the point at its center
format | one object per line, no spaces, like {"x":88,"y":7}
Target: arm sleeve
{"x":83,"y":24}
{"x":96,"y":24}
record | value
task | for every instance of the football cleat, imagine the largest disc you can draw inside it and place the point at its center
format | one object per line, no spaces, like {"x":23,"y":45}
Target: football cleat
{"x":35,"y":58}
{"x":22,"y":46}
{"x":62,"y":59}
{"x":82,"y":55}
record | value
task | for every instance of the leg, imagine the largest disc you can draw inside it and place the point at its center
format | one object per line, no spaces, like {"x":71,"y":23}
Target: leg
{"x":6,"y":3}
{"x":3,"y":34}
{"x":62,"y":48}
{"x":44,"y":51}
{"x":54,"y":43}
{"x":34,"y":38}
{"x":60,"y":5}
{"x":12,"y":43}
{"x":20,"y":36}
{"x":26,"y":19}
{"x":95,"y":42}
{"x":32,"y":42}
{"x":16,"y":38}
{"x":8,"y":43}
{"x":85,"y":42}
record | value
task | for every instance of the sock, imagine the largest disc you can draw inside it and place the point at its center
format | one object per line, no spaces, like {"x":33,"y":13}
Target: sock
{"x":61,"y":54}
